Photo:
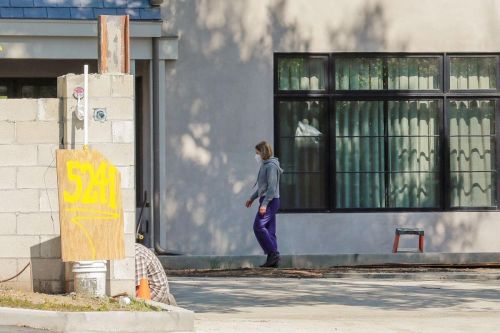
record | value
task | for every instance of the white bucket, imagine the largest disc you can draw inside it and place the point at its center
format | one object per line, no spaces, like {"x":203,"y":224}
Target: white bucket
{"x":90,"y":277}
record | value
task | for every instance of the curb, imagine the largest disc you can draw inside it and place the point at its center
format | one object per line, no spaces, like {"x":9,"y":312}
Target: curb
{"x":329,"y":261}
{"x":175,"y":319}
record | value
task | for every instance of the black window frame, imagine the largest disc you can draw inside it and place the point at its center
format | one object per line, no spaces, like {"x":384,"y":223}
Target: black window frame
{"x":442,"y":95}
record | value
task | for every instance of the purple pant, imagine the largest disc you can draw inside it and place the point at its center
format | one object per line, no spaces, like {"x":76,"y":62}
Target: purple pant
{"x":264,"y":227}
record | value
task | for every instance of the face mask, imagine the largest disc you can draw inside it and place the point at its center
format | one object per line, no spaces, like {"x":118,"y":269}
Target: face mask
{"x":258,"y":159}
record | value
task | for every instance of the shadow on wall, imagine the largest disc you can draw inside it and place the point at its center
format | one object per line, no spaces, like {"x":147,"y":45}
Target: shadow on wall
{"x":47,"y":268}
{"x":219,"y":92}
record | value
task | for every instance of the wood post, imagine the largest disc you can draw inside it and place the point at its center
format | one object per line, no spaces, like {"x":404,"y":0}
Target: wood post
{"x":114,"y":44}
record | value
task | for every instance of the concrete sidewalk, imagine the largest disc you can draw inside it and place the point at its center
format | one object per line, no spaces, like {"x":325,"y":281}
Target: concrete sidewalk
{"x":246,"y":305}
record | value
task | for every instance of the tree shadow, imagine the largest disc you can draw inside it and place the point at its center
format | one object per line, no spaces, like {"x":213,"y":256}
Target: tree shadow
{"x":224,"y":296}
{"x":226,"y":51}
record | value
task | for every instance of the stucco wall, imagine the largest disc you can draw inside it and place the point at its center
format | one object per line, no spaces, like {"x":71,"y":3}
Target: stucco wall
{"x":220,"y":103}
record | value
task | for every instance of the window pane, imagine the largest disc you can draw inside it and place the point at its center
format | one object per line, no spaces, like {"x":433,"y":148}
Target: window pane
{"x":473,"y":189}
{"x":359,"y":74}
{"x":468,"y":73}
{"x":359,"y":154}
{"x":359,"y":127}
{"x":413,"y":73}
{"x":359,"y":118}
{"x":471,"y":117}
{"x":414,"y":118}
{"x":301,"y":73}
{"x":413,"y":153}
{"x":472,"y":153}
{"x":302,"y":190}
{"x":302,"y":118}
{"x":414,"y":190}
{"x":303,"y":154}
{"x":360,"y":190}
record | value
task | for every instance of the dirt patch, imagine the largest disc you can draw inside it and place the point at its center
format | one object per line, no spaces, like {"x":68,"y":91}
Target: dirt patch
{"x":71,"y":302}
{"x":319,"y":273}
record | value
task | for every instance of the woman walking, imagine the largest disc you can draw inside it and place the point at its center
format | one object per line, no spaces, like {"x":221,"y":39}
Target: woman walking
{"x":268,"y":192}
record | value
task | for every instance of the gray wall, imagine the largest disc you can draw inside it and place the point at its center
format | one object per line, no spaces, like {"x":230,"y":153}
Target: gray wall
{"x":220,"y":103}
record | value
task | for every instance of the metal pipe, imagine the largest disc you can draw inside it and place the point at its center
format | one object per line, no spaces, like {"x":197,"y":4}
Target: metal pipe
{"x":159,"y":126}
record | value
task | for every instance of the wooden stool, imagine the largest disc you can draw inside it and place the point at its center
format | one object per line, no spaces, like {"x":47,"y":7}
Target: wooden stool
{"x":409,"y":231}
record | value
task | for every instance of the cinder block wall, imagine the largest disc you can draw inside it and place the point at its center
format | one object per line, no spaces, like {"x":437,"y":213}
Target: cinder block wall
{"x":29,"y":222}
{"x":30,"y":132}
{"x":115,"y":139}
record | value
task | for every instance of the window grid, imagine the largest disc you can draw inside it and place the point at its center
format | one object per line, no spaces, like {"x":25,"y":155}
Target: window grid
{"x":443,"y":94}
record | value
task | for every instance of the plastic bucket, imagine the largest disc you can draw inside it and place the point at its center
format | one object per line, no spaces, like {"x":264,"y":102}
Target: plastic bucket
{"x":90,"y":277}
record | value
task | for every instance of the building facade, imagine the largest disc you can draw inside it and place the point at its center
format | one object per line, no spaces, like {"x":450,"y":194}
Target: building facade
{"x":381,"y":112}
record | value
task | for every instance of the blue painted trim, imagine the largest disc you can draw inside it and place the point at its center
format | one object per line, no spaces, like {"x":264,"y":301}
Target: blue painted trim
{"x":58,"y":13}
{"x":35,"y":12}
{"x":21,"y":3}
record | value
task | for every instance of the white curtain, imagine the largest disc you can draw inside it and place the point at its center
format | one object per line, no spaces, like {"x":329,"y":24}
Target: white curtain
{"x":468,"y":73}
{"x":413,"y":73}
{"x":360,"y":154}
{"x":359,"y":74}
{"x":301,"y":74}
{"x":472,"y":153}
{"x":413,"y":153}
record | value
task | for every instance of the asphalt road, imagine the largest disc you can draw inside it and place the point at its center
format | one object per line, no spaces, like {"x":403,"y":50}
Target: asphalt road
{"x":247,"y":305}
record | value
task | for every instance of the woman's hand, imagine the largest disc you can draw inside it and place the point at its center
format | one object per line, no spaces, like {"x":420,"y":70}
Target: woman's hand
{"x":249,"y":203}
{"x":262,"y":210}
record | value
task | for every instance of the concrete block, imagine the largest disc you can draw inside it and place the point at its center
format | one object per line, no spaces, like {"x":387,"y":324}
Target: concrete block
{"x":129,"y":245}
{"x":98,"y":132}
{"x":47,"y":154}
{"x":119,"y":108}
{"x":129,"y":220}
{"x":37,"y":132}
{"x":50,"y":246}
{"x":127,"y":177}
{"x":61,"y":81}
{"x":128,"y":197}
{"x":122,"y":85}
{"x":48,"y":109}
{"x":99,"y":85}
{"x":7,"y":178}
{"x":120,"y":154}
{"x":8,"y":224}
{"x":67,"y":83}
{"x":50,"y":286}
{"x":36,"y":177}
{"x":49,"y":201}
{"x":9,"y":268}
{"x":19,"y":201}
{"x":116,"y":287}
{"x":68,"y":273}
{"x":37,"y":224}
{"x":19,"y":285}
{"x":7,"y":132}
{"x":18,"y":155}
{"x":25,"y":276}
{"x":18,"y":109}
{"x":47,"y":269}
{"x":123,"y":269}
{"x":123,"y":131}
{"x":19,"y":246}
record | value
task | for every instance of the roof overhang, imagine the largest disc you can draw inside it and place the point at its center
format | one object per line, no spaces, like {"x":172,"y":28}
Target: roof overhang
{"x":66,"y":39}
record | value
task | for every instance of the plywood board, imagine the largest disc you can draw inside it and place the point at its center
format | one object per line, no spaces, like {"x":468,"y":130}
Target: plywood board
{"x":90,"y":206}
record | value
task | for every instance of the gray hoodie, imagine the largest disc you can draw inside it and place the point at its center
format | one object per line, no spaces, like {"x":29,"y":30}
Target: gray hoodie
{"x":268,"y":181}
